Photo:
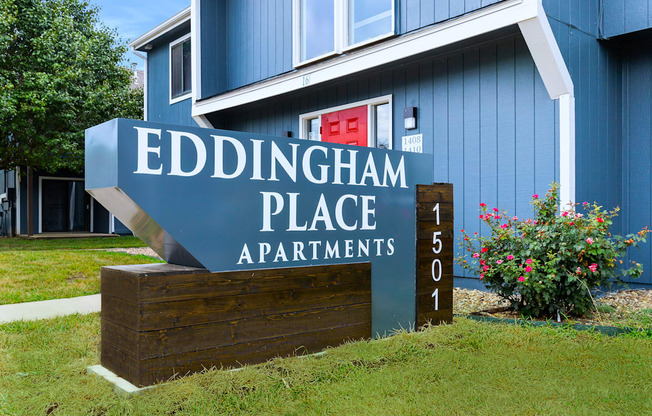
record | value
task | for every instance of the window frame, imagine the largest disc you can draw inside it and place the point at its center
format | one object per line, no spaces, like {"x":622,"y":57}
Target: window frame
{"x":304,"y":119}
{"x":341,"y":30}
{"x":188,"y":94}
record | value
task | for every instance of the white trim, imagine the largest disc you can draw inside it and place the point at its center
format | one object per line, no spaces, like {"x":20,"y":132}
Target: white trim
{"x":485,"y":20}
{"x":17,"y":201}
{"x":566,"y":149}
{"x":202,"y":121}
{"x":172,"y":23}
{"x":296,"y":33}
{"x":172,"y":44}
{"x":368,"y":41}
{"x":371,"y":142}
{"x":145,"y":90}
{"x":345,"y":42}
{"x":144,"y":58}
{"x":559,"y":84}
{"x":92,"y":212}
{"x":195,"y":49}
{"x":40,"y":195}
{"x":296,"y":36}
{"x":341,"y":44}
{"x":546,"y":54}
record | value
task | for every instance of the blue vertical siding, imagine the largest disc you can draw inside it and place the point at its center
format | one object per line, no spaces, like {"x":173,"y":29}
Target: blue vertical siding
{"x":213,"y":53}
{"x":480,"y":110}
{"x":258,"y":40}
{"x":582,"y":15}
{"x":613,"y":116}
{"x":626,"y":16}
{"x":158,"y":90}
{"x":247,"y":41}
{"x":415,"y":14}
{"x":637,"y":155}
{"x":596,"y":72}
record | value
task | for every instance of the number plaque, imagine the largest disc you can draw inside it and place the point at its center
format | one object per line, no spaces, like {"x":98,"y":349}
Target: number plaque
{"x":434,"y":279}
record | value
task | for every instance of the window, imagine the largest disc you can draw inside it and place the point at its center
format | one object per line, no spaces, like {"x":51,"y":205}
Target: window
{"x":323,"y":28}
{"x":317,"y":28}
{"x":365,"y":123}
{"x":180,"y":71}
{"x":369,"y":19}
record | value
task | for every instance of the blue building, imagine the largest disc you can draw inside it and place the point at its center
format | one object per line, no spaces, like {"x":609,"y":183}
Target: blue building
{"x":509,"y":95}
{"x":59,"y":203}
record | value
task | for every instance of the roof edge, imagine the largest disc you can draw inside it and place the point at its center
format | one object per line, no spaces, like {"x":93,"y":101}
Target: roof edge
{"x":173,"y":22}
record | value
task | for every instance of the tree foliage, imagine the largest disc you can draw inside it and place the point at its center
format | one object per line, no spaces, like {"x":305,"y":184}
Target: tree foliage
{"x":60,"y":73}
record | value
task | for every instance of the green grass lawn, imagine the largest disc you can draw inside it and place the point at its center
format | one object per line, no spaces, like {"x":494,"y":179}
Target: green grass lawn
{"x":69,"y":243}
{"x":465,"y":368}
{"x":41,"y":274}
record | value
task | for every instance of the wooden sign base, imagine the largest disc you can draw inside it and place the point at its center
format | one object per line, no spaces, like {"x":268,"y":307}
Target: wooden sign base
{"x":160,"y":321}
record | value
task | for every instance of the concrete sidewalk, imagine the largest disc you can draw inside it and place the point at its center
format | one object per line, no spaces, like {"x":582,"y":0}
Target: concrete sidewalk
{"x":45,"y":309}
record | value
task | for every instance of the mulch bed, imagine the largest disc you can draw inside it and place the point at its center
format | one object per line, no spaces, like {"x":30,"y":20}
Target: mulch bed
{"x":616,"y":307}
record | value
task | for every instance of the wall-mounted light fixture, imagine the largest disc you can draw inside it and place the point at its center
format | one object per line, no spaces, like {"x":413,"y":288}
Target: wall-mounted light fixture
{"x":410,"y":118}
{"x":286,"y":133}
{"x":148,"y":47}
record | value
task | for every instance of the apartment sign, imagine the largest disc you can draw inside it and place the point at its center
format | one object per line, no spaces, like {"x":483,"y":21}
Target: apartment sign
{"x":229,"y":201}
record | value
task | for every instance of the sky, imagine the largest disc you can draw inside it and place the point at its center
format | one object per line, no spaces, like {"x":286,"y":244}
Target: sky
{"x":132,"y":18}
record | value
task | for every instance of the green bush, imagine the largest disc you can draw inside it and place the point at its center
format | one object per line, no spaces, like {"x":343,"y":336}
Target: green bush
{"x":549,"y":264}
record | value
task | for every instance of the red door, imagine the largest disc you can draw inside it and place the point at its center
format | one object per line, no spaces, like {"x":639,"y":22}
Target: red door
{"x":345,"y":127}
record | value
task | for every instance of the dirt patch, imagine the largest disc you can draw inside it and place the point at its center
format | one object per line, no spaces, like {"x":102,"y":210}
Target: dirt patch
{"x":143,"y":251}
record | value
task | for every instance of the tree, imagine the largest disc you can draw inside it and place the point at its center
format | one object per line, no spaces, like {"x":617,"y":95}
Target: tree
{"x":60,"y":73}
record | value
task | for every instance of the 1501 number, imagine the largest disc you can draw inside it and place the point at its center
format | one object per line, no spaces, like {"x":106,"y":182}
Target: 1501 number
{"x":436,"y":269}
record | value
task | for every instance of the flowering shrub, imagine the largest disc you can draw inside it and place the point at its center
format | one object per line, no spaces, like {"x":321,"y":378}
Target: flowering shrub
{"x":549,"y":264}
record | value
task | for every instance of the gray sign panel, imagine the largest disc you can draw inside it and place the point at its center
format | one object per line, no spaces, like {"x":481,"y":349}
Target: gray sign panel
{"x":228,"y":201}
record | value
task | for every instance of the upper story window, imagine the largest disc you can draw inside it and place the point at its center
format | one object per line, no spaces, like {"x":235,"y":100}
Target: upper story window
{"x":180,"y":78}
{"x":326,"y":27}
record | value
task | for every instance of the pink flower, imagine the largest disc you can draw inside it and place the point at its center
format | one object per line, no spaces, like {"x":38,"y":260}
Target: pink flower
{"x":593,"y":267}
{"x":476,"y":255}
{"x":599,"y":219}
{"x":514,"y":218}
{"x":482,"y":262}
{"x":485,"y":268}
{"x":481,"y":276}
{"x":535,"y":196}
{"x":510,"y":257}
{"x":528,"y":269}
{"x":484,"y":250}
{"x":481,"y":217}
{"x":499,"y":262}
{"x":462,"y":230}
{"x":564,"y":214}
{"x":495,"y":209}
{"x":579,"y":270}
{"x":482,"y":204}
{"x":589,"y":240}
{"x":585,"y":203}
{"x":521,"y":279}
{"x":498,"y":217}
{"x":503,"y":226}
{"x":528,"y":261}
{"x":579,"y":215}
{"x":571,"y":223}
